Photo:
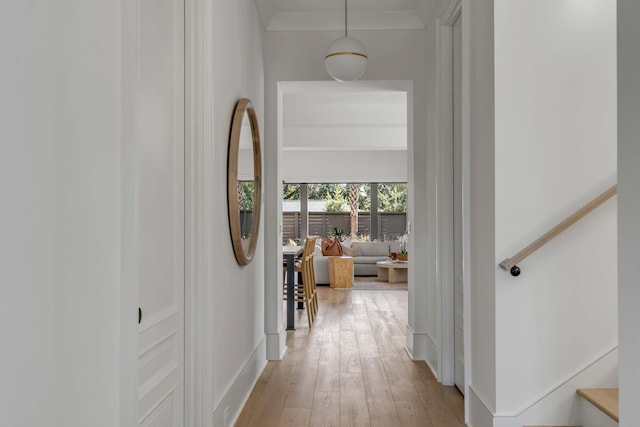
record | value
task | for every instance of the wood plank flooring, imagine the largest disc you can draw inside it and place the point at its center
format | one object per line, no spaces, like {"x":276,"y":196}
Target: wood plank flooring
{"x":351,"y":369}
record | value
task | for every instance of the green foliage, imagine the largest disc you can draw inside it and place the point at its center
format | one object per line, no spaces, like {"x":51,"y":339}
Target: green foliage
{"x":338,"y":201}
{"x":392,"y":197}
{"x":364,"y":200}
{"x":336,"y":206}
{"x":336,"y":193}
{"x":245,"y":195}
{"x":325,"y":191}
{"x":290,"y":191}
{"x":338,"y":232}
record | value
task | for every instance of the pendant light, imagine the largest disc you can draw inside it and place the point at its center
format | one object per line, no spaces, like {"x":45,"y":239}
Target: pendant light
{"x":346,"y":58}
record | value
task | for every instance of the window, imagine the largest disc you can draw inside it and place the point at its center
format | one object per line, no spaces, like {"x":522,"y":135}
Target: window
{"x":329,"y":208}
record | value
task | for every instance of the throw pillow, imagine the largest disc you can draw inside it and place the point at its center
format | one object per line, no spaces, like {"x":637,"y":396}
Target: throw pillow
{"x":350,"y":251}
{"x":331,"y":247}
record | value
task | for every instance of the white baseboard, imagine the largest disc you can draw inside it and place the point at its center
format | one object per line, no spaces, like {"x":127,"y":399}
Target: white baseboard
{"x":237,"y":393}
{"x":559,"y":406}
{"x":277,"y":345}
{"x":479,"y":414}
{"x":432,"y":354}
{"x":410,"y":345}
{"x":420,"y":346}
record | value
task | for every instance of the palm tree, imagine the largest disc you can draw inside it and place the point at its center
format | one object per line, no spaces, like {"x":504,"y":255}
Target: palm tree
{"x":354,"y":192}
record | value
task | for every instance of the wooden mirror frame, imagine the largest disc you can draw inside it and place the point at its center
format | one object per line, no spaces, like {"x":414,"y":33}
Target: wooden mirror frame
{"x":244,"y":106}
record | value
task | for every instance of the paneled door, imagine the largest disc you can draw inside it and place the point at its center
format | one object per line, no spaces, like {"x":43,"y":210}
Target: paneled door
{"x":161,"y":213}
{"x":458,"y":207}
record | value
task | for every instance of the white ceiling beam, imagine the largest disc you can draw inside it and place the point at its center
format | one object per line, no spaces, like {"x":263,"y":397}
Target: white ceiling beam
{"x":334,"y":20}
{"x":356,"y":138}
{"x":348,"y":115}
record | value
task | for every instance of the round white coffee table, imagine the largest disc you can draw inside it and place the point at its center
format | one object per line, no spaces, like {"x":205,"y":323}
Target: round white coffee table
{"x":393,"y":272}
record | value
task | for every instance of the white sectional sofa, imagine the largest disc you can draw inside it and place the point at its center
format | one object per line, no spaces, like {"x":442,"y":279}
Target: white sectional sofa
{"x":365,"y":255}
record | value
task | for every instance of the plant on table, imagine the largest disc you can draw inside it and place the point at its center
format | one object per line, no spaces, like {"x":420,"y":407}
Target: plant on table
{"x":403,"y":255}
{"x":337,"y":233}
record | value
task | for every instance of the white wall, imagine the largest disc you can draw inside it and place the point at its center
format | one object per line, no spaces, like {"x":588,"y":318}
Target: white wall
{"x":345,"y":166}
{"x":237,"y":293}
{"x":629,"y":208}
{"x":539,"y":78}
{"x":299,"y":56}
{"x":555,"y":115}
{"x":478,"y":74}
{"x":60,"y":220}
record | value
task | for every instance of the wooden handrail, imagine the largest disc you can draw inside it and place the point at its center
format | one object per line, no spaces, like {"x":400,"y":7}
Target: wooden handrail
{"x":510,"y":264}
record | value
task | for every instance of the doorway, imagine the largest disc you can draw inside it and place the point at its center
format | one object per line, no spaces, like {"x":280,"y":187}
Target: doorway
{"x":347,"y":157}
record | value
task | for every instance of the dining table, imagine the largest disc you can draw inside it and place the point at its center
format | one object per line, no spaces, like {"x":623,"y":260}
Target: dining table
{"x":289,"y":254}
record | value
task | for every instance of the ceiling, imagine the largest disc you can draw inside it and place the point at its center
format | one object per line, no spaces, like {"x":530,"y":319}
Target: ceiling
{"x":345,"y":121}
{"x":329,"y":116}
{"x":336,"y":133}
{"x":305,"y":15}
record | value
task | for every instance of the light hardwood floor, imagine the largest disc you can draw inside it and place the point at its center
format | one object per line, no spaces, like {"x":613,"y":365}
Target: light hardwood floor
{"x":351,"y":369}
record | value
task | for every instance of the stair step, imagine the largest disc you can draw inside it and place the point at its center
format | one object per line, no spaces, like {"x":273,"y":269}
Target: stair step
{"x":605,"y":399}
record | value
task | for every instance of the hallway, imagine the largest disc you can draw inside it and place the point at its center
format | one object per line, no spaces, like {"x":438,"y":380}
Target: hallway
{"x":351,"y":369}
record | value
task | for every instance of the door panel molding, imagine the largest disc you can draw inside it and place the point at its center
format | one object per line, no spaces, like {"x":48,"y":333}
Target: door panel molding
{"x":161,"y":203}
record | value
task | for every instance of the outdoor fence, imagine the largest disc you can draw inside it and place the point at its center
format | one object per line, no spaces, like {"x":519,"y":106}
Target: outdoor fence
{"x":390,"y":224}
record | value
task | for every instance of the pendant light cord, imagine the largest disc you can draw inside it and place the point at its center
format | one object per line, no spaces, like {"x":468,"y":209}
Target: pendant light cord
{"x":345,"y":18}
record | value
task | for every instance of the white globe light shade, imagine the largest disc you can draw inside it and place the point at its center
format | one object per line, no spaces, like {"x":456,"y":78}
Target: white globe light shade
{"x":346,"y":59}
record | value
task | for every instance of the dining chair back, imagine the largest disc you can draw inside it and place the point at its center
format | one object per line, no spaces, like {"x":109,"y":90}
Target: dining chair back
{"x":306,"y":292}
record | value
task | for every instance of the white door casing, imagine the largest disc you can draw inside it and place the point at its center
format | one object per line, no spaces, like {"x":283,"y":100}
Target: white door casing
{"x":457,"y":207}
{"x":449,"y":12}
{"x":161,"y":213}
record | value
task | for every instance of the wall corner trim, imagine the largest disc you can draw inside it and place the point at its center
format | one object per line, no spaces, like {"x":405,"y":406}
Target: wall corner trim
{"x":420,"y":346}
{"x":451,"y":13}
{"x":276,"y":345}
{"x":446,"y":13}
{"x":479,"y":413}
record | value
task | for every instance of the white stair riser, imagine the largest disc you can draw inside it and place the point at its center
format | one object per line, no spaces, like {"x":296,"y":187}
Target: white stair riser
{"x":594,"y":417}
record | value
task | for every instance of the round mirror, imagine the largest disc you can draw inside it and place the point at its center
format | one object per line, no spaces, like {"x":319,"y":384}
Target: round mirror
{"x":244,"y":181}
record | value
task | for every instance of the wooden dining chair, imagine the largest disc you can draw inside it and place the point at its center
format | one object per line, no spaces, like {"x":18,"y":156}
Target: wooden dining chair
{"x":309,"y":282}
{"x":297,"y":268}
{"x":305,"y":292}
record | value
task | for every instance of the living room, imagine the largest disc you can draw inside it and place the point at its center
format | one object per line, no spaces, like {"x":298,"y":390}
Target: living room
{"x":364,"y":221}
